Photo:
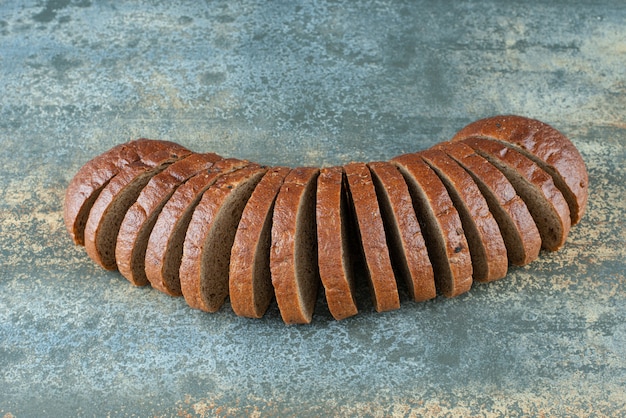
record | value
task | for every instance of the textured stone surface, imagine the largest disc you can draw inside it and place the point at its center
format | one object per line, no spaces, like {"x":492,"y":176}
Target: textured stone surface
{"x":305,"y":83}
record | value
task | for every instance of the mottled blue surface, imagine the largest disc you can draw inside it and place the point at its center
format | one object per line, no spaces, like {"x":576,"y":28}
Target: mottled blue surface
{"x":315,"y":83}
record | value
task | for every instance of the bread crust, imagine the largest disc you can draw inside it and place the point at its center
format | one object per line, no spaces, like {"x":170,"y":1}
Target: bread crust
{"x":293,"y":255}
{"x":445,"y":238}
{"x":518,"y":228}
{"x":546,"y":146}
{"x":372,"y":237}
{"x":139,"y":220}
{"x":403,"y":229}
{"x":89,"y":180}
{"x":250,"y":282}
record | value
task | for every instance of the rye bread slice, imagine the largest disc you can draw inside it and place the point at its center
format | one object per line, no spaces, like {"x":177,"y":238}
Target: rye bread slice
{"x":404,"y":235}
{"x":109,"y":209}
{"x":293,"y":254}
{"x":547,"y":147}
{"x":443,"y":232}
{"x":93,"y":176}
{"x":210,"y":236}
{"x":544,"y":200}
{"x":486,"y":245}
{"x":250,"y":282}
{"x":517,"y":226}
{"x":165,"y":245}
{"x":373,"y":240}
{"x":132,"y":239}
{"x":334,"y":249}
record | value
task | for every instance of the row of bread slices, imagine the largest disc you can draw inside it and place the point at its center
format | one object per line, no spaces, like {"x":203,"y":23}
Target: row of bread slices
{"x":211,"y":228}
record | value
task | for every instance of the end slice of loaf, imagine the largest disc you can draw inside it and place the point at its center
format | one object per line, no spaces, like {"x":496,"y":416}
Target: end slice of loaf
{"x":486,"y":245}
{"x":139,"y":220}
{"x":547,"y":147}
{"x":293,"y":255}
{"x":334,"y":248}
{"x":544,"y":200}
{"x":165,"y":245}
{"x":517,"y":226}
{"x":250,"y":282}
{"x":441,"y":226}
{"x":404,"y":235}
{"x":372,"y":235}
{"x":93,"y":176}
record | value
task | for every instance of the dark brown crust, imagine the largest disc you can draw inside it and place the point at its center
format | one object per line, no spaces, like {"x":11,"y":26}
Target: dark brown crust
{"x":293,"y":234}
{"x":209,"y":239}
{"x":546,"y":146}
{"x":373,"y":239}
{"x":442,"y":228}
{"x":107,"y":212}
{"x":487,"y":249}
{"x":164,"y":250}
{"x":136,"y":227}
{"x":332,"y":243}
{"x":520,"y":233}
{"x":250,"y":282}
{"x":411,"y":255}
{"x":88,"y":182}
{"x":544,"y":200}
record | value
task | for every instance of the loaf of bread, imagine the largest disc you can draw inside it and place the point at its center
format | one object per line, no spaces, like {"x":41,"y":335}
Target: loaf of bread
{"x":420,"y":225}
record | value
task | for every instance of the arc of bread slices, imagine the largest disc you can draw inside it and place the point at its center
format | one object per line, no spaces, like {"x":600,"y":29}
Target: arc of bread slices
{"x":206,"y":251}
{"x":405,"y":239}
{"x":165,"y":244}
{"x":372,"y":237}
{"x":544,"y":200}
{"x":132,"y":239}
{"x":250,"y":282}
{"x":293,"y":254}
{"x":518,"y":228}
{"x":546,"y":146}
{"x":109,"y":209}
{"x":441,"y":225}
{"x":486,"y":245}
{"x":95,"y":174}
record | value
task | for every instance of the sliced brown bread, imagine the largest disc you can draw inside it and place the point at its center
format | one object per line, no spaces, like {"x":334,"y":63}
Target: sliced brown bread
{"x":250,"y":282}
{"x":544,"y":200}
{"x":333,"y":243}
{"x":136,"y":227}
{"x":442,"y":228}
{"x":486,"y":245}
{"x":516,"y":224}
{"x":372,"y":237}
{"x":205,"y":263}
{"x":109,"y":209}
{"x":547,"y":147}
{"x":293,"y":255}
{"x":94,"y":175}
{"x":165,"y":245}
{"x":404,"y":235}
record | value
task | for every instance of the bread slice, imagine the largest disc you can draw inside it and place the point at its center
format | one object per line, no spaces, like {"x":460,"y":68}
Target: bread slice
{"x":209,"y":240}
{"x":250,"y":282}
{"x":165,"y":245}
{"x":293,"y":255}
{"x":404,"y":235}
{"x":372,"y":237}
{"x":486,"y":245}
{"x":441,"y":225}
{"x":91,"y":178}
{"x":516,"y":224}
{"x":132,"y":239}
{"x":547,"y":147}
{"x":109,"y":209}
{"x":544,"y":200}
{"x":334,"y":250}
